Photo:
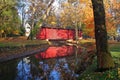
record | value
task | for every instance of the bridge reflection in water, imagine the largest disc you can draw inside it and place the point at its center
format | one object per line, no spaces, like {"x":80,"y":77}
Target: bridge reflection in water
{"x":57,"y":51}
{"x":56,"y":63}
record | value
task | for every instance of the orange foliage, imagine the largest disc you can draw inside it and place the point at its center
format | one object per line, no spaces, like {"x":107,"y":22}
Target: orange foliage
{"x":90,"y":27}
{"x":110,"y":8}
{"x":88,"y":17}
{"x":110,"y":21}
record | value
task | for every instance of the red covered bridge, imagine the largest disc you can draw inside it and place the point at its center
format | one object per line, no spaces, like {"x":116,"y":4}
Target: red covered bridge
{"x":57,"y":33}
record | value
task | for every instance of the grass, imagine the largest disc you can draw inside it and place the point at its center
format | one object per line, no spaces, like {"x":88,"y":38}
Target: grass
{"x":115,"y":54}
{"x":90,"y":74}
{"x":22,"y":43}
{"x":115,"y":48}
{"x":113,"y":74}
{"x":18,"y":46}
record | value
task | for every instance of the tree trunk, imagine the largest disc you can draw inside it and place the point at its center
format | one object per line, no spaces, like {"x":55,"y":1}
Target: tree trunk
{"x":104,"y":59}
{"x":76,"y":33}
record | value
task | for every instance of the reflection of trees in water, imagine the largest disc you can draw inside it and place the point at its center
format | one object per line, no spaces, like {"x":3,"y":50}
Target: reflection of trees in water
{"x":64,"y":68}
{"x":8,"y":69}
{"x":67,"y":66}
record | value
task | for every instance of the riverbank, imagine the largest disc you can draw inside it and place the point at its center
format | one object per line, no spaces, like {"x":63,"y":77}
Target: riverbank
{"x":12,"y":48}
{"x":21,"y":52}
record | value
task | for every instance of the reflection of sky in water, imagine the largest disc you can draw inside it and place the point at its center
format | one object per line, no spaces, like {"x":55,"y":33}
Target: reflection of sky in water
{"x":52,"y":73}
{"x":23,"y":70}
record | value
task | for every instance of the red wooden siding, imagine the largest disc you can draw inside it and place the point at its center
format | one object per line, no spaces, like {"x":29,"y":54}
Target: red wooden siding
{"x":56,"y":33}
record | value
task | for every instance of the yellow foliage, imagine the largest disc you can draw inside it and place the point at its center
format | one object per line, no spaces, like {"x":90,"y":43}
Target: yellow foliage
{"x":53,"y":23}
{"x":1,"y":31}
{"x":16,"y":32}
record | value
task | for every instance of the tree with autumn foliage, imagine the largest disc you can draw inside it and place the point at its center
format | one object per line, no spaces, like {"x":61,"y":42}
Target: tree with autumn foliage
{"x":37,"y":13}
{"x":104,"y":58}
{"x":115,"y":7}
{"x":110,"y":20}
{"x":51,"y":19}
{"x":9,"y":19}
{"x":88,"y":19}
{"x":71,"y":16}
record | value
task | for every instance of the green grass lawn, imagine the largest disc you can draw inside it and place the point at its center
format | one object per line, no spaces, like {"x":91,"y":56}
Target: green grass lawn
{"x":115,"y":50}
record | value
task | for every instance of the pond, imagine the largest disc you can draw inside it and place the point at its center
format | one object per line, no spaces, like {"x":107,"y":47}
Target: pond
{"x":56,"y":63}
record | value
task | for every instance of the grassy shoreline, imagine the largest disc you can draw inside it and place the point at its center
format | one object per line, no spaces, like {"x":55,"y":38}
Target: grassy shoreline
{"x":22,"y":43}
{"x":19,"y":47}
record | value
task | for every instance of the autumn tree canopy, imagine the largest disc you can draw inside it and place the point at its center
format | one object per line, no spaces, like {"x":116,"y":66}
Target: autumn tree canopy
{"x":69,"y":13}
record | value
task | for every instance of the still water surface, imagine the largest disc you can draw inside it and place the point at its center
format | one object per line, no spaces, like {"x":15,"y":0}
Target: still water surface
{"x":56,"y":63}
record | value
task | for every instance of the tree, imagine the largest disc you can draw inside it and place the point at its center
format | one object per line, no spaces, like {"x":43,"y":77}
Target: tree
{"x":71,"y":16}
{"x":78,"y":14}
{"x":21,"y":7}
{"x":115,"y":7}
{"x":51,"y":20}
{"x":88,"y":28}
{"x":38,"y":12}
{"x":110,"y":18}
{"x":9,"y":20}
{"x":104,"y":59}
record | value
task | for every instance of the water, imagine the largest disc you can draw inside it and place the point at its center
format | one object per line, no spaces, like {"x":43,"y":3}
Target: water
{"x":56,"y":63}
